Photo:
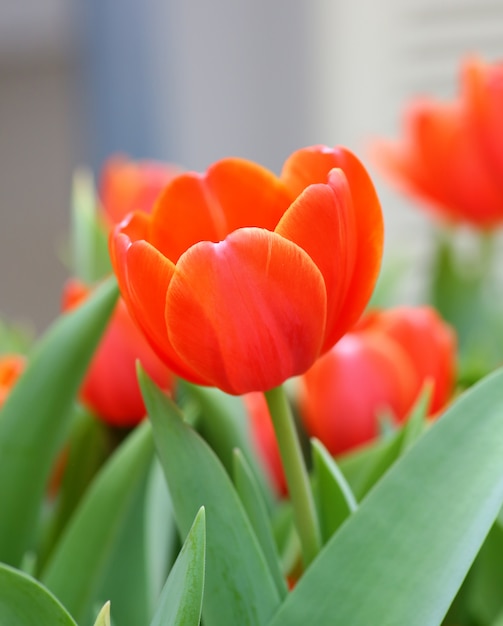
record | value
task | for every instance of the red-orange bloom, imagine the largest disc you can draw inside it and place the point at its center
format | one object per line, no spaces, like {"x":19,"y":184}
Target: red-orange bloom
{"x":11,"y":368}
{"x":127,"y":185}
{"x":379,"y":367}
{"x":240,"y":279}
{"x":110,"y":387}
{"x":451,"y":153}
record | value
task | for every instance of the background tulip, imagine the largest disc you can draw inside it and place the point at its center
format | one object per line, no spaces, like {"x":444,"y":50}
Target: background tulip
{"x":11,"y":367}
{"x":377,"y":369}
{"x":451,"y":153}
{"x":128,"y":185}
{"x":110,"y":387}
{"x":240,"y":279}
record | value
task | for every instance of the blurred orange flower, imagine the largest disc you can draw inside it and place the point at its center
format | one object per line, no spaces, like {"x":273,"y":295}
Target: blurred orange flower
{"x":380,"y":366}
{"x":110,"y":387}
{"x":128,"y":185}
{"x":451,"y":153}
{"x":240,"y":279}
{"x":11,"y":368}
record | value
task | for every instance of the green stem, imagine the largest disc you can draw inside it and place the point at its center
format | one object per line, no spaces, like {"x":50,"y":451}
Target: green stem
{"x":297,"y":478}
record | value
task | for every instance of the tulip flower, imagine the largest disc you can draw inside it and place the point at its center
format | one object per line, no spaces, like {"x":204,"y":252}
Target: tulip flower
{"x":378,"y":368}
{"x":451,"y":155}
{"x":127,"y":186}
{"x":241,"y":279}
{"x":11,"y":368}
{"x":110,"y":388}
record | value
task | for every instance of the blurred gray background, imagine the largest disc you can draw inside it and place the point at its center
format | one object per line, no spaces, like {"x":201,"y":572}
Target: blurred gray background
{"x":191,"y":81}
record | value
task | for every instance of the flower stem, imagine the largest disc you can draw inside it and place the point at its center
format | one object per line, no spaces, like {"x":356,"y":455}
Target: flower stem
{"x":306,"y":519}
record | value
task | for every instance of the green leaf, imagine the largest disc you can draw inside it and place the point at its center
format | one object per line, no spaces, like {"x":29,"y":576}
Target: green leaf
{"x":25,"y":602}
{"x":416,"y":420}
{"x":362,"y":468}
{"x":91,"y":260}
{"x":88,"y":447}
{"x":15,"y":337}
{"x":124,"y":577}
{"x":401,"y":558}
{"x":256,"y":510}
{"x":239,"y":588}
{"x":35,"y":416}
{"x":182,"y":597}
{"x":161,"y":535}
{"x":76,"y":565}
{"x":464,"y":290}
{"x":334,"y":498}
{"x":224,"y":423}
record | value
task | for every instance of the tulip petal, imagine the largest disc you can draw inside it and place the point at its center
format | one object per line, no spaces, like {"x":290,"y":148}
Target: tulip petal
{"x":369,"y":236}
{"x":247,"y":313}
{"x":321,"y":221}
{"x":234,"y":193}
{"x":149,"y":274}
{"x":440,"y":162}
{"x":342,"y":395}
{"x":483,"y":93}
{"x":308,"y":166}
{"x":452,"y":158}
{"x":313,"y":165}
{"x":134,"y":227}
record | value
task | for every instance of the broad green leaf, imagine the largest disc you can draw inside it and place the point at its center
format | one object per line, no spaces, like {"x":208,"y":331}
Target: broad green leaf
{"x":77,"y":563}
{"x":182,"y":597}
{"x":334,"y":498}
{"x":161,"y":535}
{"x":86,"y":450}
{"x":256,"y":510}
{"x":103,"y":618}
{"x":25,"y":602}
{"x":124,"y":578}
{"x":35,"y":416}
{"x":401,"y":558}
{"x":239,"y":588}
{"x":225,"y":425}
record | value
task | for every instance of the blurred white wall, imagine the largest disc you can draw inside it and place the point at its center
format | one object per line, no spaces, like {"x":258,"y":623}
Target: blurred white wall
{"x":38,"y":139}
{"x":192,"y":81}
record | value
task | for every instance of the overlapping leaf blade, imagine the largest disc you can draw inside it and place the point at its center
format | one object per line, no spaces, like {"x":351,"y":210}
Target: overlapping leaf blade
{"x":34,"y":418}
{"x":23,"y":600}
{"x":402,"y":556}
{"x":334,"y":498}
{"x":239,"y":587}
{"x":74,"y":570}
{"x":182,"y":597}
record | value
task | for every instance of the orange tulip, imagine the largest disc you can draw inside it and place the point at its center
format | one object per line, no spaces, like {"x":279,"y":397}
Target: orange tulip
{"x":451,"y":153}
{"x":379,"y":367}
{"x":11,"y":368}
{"x":127,"y":185}
{"x":240,"y":279}
{"x":110,"y":387}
